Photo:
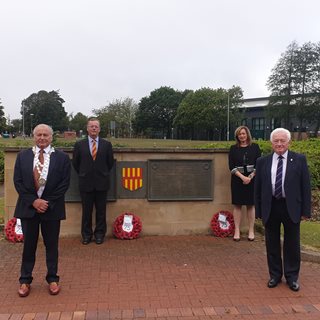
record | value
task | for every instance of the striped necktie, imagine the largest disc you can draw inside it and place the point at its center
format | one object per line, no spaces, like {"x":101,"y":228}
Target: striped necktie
{"x":278,"y":183}
{"x":94,"y":149}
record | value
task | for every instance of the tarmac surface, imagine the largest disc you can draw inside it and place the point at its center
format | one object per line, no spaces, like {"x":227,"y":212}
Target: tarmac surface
{"x":160,"y":277}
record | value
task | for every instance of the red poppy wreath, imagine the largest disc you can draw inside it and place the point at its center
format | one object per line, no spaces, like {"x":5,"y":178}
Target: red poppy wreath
{"x":13,"y":230}
{"x":222,"y":224}
{"x":127,"y":226}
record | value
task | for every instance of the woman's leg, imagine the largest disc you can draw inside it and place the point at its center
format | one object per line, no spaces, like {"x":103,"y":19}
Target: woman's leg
{"x":251,"y":219}
{"x":237,"y":221}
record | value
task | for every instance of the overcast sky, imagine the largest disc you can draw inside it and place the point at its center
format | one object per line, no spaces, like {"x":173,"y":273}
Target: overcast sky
{"x":95,"y":51}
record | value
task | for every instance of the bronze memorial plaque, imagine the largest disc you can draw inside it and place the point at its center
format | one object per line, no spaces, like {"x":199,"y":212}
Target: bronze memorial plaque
{"x":73,"y":194}
{"x":180,"y":180}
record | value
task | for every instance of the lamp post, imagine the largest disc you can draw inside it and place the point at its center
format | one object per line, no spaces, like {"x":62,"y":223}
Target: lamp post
{"x":31,"y":115}
{"x":228,"y":119}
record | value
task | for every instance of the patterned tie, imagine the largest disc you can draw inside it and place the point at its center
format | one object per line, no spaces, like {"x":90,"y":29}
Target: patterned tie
{"x":36,"y":174}
{"x":278,"y":184}
{"x":94,"y":149}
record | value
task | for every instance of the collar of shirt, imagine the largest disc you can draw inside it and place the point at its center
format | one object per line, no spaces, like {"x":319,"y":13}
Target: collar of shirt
{"x":276,"y":156}
{"x":46,"y":150}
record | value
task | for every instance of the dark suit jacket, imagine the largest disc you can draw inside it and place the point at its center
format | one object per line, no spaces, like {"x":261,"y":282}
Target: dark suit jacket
{"x":57,"y":184}
{"x":296,"y":186}
{"x":93,"y":175}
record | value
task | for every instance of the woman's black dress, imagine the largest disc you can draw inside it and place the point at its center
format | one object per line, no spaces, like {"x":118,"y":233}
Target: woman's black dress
{"x":245,"y":159}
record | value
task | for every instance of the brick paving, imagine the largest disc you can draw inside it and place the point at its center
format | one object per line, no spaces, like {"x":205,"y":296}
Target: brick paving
{"x":157,"y":278}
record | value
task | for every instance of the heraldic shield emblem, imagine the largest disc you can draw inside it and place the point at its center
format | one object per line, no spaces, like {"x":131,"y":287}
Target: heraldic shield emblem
{"x":132,"y":178}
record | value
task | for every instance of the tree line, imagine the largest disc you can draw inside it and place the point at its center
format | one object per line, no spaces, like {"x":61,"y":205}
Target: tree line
{"x":205,"y":114}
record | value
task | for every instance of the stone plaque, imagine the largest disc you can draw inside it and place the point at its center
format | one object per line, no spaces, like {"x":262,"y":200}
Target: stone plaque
{"x":179,"y":180}
{"x":132,"y":179}
{"x":73,"y":194}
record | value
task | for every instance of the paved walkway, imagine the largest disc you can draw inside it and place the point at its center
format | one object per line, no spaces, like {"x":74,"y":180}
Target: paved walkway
{"x":157,"y":278}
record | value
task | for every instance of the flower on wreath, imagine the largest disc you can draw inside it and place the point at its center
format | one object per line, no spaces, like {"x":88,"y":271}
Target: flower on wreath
{"x":127,"y":226}
{"x":13,"y":230}
{"x":222,"y":224}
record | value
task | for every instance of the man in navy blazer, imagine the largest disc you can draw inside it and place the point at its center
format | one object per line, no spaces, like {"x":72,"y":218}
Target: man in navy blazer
{"x":282,"y":196}
{"x":41,"y":185}
{"x":93,"y":161}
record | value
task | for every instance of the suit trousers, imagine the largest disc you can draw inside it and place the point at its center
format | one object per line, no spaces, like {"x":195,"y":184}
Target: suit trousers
{"x":98,"y":199}
{"x":50,"y":230}
{"x":291,"y":243}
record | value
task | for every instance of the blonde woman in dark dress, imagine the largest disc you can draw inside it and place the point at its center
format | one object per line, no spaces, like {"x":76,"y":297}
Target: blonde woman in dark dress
{"x":242,"y":161}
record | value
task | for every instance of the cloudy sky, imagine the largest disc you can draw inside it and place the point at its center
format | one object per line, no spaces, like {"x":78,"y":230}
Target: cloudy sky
{"x":95,"y":51}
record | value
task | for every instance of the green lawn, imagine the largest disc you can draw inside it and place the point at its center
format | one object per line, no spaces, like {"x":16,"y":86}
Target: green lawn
{"x":310,"y":234}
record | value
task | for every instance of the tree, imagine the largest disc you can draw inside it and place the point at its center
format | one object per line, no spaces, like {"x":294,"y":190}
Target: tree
{"x":203,"y":114}
{"x":121,"y":112}
{"x":157,"y":111}
{"x":16,"y":125}
{"x":78,"y":122}
{"x":3,"y":120}
{"x":295,"y":85}
{"x":44,"y":107}
{"x":281,"y":85}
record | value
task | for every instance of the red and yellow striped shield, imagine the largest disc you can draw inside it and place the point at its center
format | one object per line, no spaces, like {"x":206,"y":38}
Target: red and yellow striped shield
{"x":132,"y":178}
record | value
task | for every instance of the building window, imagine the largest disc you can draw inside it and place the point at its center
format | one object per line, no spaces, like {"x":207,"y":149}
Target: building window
{"x":258,"y":123}
{"x":244,"y":122}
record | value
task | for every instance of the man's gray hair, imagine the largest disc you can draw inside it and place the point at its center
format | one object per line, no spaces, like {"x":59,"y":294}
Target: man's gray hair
{"x":281,"y":130}
{"x":42,"y":125}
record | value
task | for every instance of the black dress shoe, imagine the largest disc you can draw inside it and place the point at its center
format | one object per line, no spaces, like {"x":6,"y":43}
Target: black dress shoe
{"x":272,"y":283}
{"x":86,"y":240}
{"x":294,"y":286}
{"x":99,"y":240}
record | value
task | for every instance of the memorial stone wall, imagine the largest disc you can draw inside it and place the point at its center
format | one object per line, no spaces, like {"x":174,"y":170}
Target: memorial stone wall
{"x":173,"y":191}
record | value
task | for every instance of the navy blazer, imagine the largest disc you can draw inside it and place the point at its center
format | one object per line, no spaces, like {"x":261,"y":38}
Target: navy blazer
{"x":296,"y":186}
{"x":93,"y":174}
{"x":58,"y":180}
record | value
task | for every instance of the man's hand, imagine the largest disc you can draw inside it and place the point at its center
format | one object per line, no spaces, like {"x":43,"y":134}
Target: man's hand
{"x":40,"y":205}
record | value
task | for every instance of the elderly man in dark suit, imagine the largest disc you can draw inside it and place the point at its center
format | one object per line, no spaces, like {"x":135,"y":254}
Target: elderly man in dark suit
{"x":93,"y":161}
{"x":41,"y":178}
{"x":282,"y":196}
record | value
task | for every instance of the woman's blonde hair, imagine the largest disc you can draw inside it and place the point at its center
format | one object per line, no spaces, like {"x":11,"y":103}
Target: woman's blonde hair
{"x":249,"y":137}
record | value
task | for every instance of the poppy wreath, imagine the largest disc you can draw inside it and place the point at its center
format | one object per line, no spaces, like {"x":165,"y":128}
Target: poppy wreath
{"x":222,"y":227}
{"x":10,"y":231}
{"x":120,"y":233}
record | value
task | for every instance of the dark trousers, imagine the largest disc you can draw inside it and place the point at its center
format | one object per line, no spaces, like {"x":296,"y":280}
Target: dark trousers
{"x":99,"y":200}
{"x":50,"y":230}
{"x":291,"y":243}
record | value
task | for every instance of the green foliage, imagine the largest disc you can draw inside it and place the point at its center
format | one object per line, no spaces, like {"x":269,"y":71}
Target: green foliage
{"x":204,"y":113}
{"x":44,"y":107}
{"x":156,"y":112}
{"x":122,"y":113}
{"x":295,"y":85}
{"x":78,"y":122}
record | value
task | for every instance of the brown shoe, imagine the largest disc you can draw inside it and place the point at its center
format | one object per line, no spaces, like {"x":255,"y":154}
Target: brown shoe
{"x":54,"y":288}
{"x":24,"y":290}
